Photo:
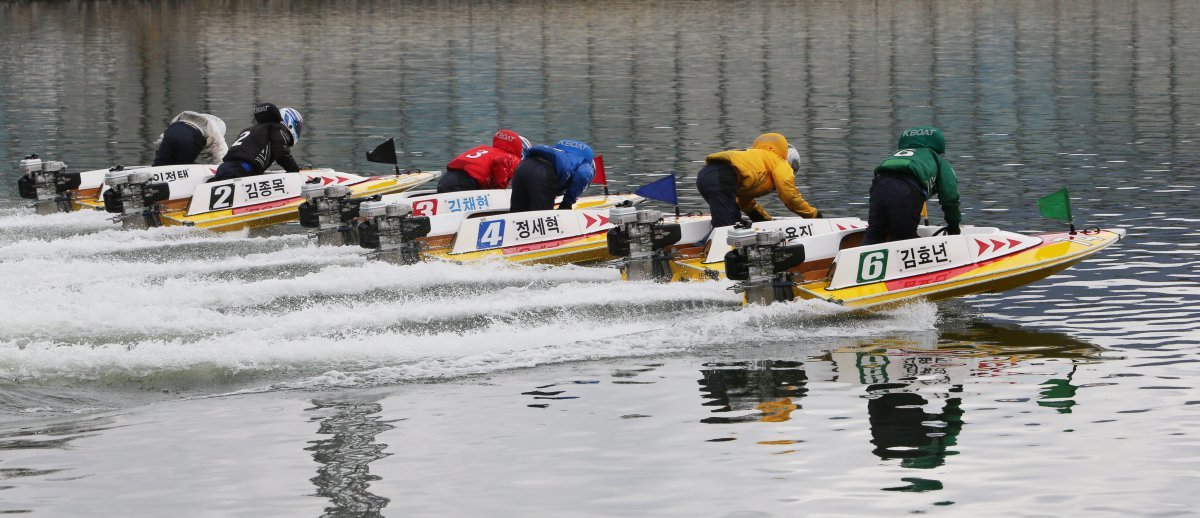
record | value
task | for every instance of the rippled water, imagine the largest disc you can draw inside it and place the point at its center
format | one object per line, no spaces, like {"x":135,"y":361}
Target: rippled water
{"x":178,"y":372}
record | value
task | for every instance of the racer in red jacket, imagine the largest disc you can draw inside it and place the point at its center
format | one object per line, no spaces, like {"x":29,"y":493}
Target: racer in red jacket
{"x":485,"y":167}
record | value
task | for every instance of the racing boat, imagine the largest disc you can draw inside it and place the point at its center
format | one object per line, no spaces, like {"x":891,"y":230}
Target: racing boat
{"x":179,"y":195}
{"x":651,"y":250}
{"x":254,"y":201}
{"x":834,"y":267}
{"x":465,"y":227}
{"x":52,"y":188}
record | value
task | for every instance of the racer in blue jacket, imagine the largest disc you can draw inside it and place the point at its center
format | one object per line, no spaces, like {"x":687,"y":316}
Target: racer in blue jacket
{"x":566,"y":168}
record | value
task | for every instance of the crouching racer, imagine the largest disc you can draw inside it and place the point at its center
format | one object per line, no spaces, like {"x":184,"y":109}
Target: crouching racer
{"x":903,"y":183}
{"x":192,"y":138}
{"x":567,"y":168}
{"x":731,"y":180}
{"x":268,"y":141}
{"x":485,"y":167}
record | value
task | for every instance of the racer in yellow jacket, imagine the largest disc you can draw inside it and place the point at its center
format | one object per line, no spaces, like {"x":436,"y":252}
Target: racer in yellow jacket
{"x":731,"y":180}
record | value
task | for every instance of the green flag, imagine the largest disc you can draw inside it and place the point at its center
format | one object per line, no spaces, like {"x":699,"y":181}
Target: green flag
{"x":1056,"y":206}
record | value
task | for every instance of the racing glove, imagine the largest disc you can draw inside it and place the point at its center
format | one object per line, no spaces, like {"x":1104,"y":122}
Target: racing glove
{"x":953,"y":230}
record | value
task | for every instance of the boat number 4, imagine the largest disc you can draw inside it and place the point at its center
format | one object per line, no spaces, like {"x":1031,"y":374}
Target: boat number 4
{"x":221,"y":197}
{"x":872,"y":266}
{"x":491,"y":234}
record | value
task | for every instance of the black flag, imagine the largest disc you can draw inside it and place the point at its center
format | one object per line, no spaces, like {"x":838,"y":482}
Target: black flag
{"x":384,"y":153}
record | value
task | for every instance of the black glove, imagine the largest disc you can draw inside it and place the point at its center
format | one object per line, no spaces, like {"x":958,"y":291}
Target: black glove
{"x":953,"y":230}
{"x":755,"y":216}
{"x":819,"y":215}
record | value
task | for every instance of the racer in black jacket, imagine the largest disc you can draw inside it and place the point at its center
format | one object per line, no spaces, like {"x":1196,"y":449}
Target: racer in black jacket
{"x":268,"y":141}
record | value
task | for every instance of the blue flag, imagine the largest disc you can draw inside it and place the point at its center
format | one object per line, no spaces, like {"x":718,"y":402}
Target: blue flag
{"x":662,"y":189}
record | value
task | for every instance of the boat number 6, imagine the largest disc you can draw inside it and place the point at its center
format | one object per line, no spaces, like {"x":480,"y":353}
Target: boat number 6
{"x":221,"y":197}
{"x":872,"y":265}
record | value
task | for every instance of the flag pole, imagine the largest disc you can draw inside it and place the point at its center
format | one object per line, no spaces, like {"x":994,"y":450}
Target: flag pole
{"x":675,"y":187}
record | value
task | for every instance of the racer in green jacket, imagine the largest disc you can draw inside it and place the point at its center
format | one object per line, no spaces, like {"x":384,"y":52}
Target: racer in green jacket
{"x":905,"y":181}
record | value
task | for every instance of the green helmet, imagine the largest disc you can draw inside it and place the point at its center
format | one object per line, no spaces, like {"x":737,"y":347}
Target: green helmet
{"x":922,"y":136}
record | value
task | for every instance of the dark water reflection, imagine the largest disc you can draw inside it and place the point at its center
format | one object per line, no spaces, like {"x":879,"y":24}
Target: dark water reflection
{"x":913,"y":394}
{"x":344,"y":476}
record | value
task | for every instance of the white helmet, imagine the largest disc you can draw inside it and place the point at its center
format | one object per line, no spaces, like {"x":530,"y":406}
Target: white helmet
{"x":793,"y":158}
{"x":294,"y":122}
{"x":525,"y":145}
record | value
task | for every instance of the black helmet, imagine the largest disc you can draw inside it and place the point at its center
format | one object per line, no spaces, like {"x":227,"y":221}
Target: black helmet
{"x":267,"y":112}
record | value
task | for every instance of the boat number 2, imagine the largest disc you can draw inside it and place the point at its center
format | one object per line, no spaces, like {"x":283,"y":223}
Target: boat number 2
{"x":491,"y":234}
{"x":872,"y":265}
{"x":221,"y":197}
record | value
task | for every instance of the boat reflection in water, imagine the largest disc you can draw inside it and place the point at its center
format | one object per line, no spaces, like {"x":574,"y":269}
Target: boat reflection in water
{"x":914,"y":389}
{"x":345,"y":456}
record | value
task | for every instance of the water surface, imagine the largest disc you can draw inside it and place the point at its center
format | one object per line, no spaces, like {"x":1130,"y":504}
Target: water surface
{"x":172,"y":371}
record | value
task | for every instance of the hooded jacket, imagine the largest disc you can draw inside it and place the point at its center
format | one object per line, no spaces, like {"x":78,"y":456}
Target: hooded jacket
{"x":264,"y":143}
{"x":920,"y":156}
{"x":212,"y":131}
{"x":761,"y":169}
{"x":491,"y":166}
{"x":573,"y":163}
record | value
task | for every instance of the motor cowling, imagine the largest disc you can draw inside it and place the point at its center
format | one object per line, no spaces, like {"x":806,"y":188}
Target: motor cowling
{"x":328,"y":212}
{"x":642,"y":238}
{"x":134,"y":195}
{"x":761,"y":260}
{"x":26,"y":188}
{"x":40,"y":181}
{"x":308,"y":210}
{"x":390,"y":231}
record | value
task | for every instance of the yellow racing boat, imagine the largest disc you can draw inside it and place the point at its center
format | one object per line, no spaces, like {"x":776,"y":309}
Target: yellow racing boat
{"x":687,"y":248}
{"x":159,"y":196}
{"x":466,"y":227}
{"x":180,"y":195}
{"x":834,"y":268}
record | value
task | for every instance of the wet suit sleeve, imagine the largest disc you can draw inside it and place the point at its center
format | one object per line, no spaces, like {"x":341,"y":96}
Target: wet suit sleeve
{"x":752,"y":209}
{"x":785,"y":185}
{"x":581,"y":178}
{"x":281,"y":151}
{"x":947,"y":188}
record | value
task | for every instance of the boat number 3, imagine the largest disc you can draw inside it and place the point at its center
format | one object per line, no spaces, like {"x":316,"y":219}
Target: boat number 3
{"x":221,"y":197}
{"x":872,"y":265}
{"x":491,"y":234}
{"x":477,"y":154}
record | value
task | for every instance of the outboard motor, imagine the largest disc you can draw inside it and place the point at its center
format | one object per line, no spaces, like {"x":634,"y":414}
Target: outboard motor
{"x":641,"y":238}
{"x":45,"y":182}
{"x":327,"y":212}
{"x":761,"y":260}
{"x":391,"y":231}
{"x":132,"y":195}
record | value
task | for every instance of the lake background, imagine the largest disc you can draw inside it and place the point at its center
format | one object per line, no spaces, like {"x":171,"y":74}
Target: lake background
{"x":175,"y":372}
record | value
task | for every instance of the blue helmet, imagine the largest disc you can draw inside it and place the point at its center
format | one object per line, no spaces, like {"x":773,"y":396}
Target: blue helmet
{"x":294,"y":122}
